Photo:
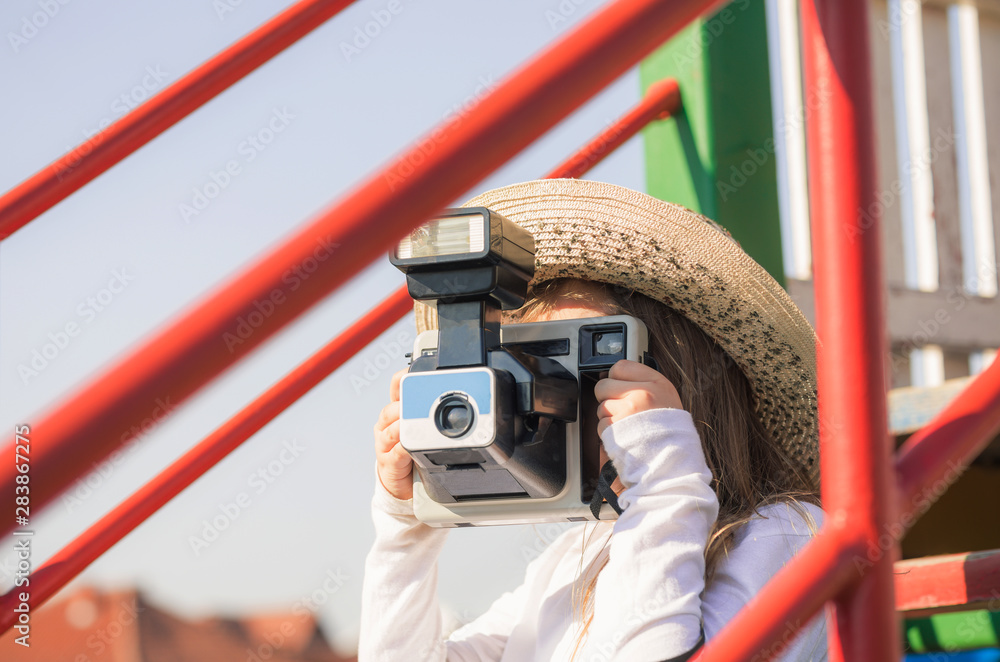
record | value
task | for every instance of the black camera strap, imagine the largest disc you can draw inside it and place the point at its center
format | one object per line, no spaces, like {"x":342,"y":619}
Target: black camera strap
{"x":604,"y":492}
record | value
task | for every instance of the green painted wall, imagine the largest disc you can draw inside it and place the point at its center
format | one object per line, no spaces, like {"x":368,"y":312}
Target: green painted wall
{"x":963,"y":630}
{"x":717,"y":155}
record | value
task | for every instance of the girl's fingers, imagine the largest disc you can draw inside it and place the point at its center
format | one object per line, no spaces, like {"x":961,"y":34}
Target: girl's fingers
{"x":614,"y":410}
{"x":388,"y":415}
{"x":613,"y":388}
{"x":387,"y":439}
{"x":394,"y":385}
{"x":395,"y":467}
{"x":399,"y":458}
{"x":625,"y":376}
{"x":395,"y":476}
{"x":632,"y":371}
{"x":640,"y":383}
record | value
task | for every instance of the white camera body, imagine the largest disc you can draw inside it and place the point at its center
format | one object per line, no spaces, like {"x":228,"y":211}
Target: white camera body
{"x":579,"y":346}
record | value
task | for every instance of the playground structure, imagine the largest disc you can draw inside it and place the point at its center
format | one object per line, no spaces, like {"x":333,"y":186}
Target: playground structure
{"x":871,"y":498}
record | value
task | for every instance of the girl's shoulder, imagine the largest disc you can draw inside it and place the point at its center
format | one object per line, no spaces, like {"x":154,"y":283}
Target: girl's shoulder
{"x":761,"y":547}
{"x":774,"y":534}
{"x":787,"y":517}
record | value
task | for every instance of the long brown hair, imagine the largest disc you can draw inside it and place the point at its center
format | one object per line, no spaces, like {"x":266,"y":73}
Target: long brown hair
{"x":749,"y":468}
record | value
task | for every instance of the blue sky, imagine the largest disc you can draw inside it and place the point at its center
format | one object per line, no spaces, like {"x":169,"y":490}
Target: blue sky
{"x":119,"y":258}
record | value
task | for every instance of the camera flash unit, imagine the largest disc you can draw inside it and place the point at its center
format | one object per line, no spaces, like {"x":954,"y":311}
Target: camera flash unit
{"x":449,"y":235}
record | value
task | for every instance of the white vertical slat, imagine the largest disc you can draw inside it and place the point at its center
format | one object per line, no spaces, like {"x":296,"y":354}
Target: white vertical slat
{"x":927,"y":366}
{"x":789,"y":136}
{"x":916,"y":188}
{"x":974,"y":203}
{"x":981,"y":360}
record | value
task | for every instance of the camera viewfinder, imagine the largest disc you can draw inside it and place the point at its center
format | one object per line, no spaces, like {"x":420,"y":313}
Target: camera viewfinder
{"x":601,"y":345}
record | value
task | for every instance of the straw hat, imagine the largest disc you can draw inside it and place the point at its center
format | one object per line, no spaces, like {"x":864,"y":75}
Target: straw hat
{"x":601,"y":232}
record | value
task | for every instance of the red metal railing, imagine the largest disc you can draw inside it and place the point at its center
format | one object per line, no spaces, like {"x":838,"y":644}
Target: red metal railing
{"x":952,"y":581}
{"x":256,"y":303}
{"x":850,"y":561}
{"x":72,"y":559}
{"x":99,"y":538}
{"x":933,"y":457}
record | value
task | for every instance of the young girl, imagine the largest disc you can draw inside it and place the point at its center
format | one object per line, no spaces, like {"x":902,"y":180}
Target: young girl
{"x":716,"y":453}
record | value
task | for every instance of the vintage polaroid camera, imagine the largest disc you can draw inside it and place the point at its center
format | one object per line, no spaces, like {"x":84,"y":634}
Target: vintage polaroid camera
{"x":500,"y":421}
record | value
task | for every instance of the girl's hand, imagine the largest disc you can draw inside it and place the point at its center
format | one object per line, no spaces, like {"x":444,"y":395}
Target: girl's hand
{"x":630,"y":388}
{"x":395,"y":467}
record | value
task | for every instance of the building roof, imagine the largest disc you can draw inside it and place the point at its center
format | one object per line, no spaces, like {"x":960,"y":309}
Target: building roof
{"x":124,"y":627}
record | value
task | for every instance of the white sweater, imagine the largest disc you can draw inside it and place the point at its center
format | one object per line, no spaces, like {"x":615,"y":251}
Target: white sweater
{"x":650,"y":599}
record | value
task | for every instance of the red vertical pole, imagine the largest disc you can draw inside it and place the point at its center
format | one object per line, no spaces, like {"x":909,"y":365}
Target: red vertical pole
{"x":854,"y":447}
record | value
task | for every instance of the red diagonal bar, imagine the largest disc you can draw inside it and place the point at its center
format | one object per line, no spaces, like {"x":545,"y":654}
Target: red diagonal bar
{"x":935,"y":456}
{"x":661,"y":100}
{"x":72,"y":559}
{"x":88,"y":160}
{"x":332,"y":248}
{"x":99,"y":538}
{"x":854,"y":445}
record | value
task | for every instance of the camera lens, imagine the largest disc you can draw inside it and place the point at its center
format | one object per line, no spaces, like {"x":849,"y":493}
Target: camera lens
{"x":454,"y":416}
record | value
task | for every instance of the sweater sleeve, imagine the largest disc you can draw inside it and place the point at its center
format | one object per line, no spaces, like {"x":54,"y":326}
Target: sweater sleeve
{"x":647,"y":603}
{"x":400,"y":615}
